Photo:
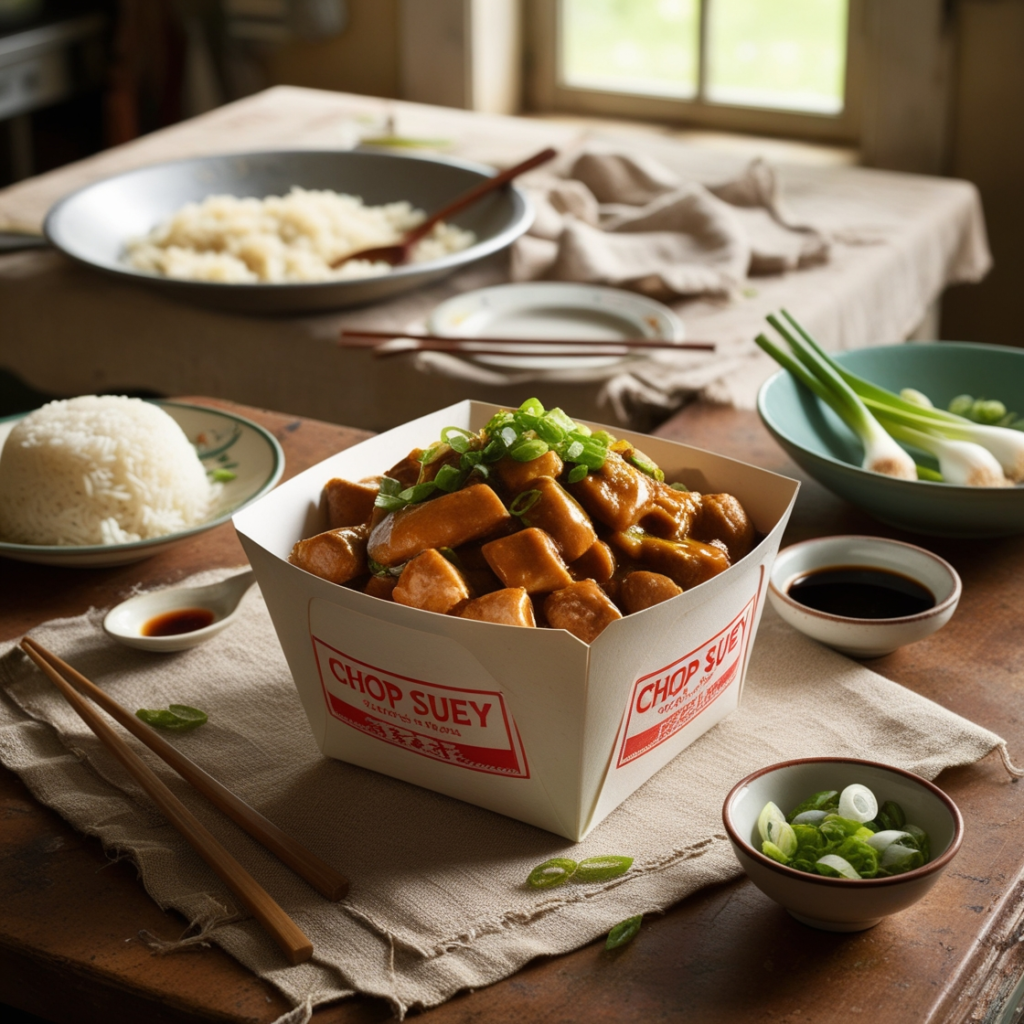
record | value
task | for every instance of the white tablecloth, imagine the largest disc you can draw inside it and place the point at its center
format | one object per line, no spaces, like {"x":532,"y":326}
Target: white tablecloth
{"x":899,"y":240}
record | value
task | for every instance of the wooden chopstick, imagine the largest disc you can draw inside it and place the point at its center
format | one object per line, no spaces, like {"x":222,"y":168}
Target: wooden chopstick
{"x":577,"y":352}
{"x":285,"y":932}
{"x":325,"y":879}
{"x":424,"y":341}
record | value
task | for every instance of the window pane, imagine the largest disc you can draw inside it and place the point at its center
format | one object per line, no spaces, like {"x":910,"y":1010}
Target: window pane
{"x":788,"y":54}
{"x":635,"y":46}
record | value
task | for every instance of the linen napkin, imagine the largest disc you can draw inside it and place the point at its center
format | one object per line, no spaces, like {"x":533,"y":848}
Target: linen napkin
{"x":438,"y":902}
{"x":627,"y":221}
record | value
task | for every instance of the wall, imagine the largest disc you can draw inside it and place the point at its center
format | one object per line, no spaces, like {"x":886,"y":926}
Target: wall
{"x":363,"y":59}
{"x":988,"y":149}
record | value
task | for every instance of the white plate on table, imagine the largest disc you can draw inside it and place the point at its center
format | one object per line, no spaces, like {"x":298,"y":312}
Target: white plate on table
{"x":222,"y":441}
{"x":551,"y":309}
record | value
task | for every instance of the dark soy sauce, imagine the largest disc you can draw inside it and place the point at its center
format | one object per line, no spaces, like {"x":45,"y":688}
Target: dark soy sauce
{"x":861,"y":592}
{"x":181,"y":620}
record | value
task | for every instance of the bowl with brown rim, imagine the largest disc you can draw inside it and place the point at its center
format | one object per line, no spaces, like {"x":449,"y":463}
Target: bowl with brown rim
{"x":872,"y":635}
{"x":840,"y":904}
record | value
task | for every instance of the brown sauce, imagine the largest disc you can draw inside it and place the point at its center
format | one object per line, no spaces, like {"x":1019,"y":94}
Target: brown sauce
{"x":181,"y":620}
{"x":861,"y":592}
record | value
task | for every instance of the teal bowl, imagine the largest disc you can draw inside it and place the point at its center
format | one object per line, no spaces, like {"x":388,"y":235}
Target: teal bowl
{"x":825,"y":448}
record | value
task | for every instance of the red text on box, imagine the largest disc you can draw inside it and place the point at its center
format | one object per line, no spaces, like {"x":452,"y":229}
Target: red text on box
{"x":462,"y":727}
{"x":663,"y":702}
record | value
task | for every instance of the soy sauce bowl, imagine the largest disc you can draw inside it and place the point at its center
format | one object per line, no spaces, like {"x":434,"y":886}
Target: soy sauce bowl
{"x":864,"y":637}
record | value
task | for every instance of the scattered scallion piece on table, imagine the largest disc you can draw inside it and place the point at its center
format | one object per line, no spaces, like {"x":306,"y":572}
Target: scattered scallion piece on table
{"x":556,"y":871}
{"x":623,"y":932}
{"x":559,"y":870}
{"x":177,"y":717}
{"x":600,"y":869}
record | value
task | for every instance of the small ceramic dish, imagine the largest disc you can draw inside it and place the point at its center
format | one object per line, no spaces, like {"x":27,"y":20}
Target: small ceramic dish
{"x":217,"y":605}
{"x":840,"y":904}
{"x":223,"y":441}
{"x":864,"y":637}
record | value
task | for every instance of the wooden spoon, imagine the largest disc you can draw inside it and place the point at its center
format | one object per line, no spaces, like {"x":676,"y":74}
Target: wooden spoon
{"x":398,"y":253}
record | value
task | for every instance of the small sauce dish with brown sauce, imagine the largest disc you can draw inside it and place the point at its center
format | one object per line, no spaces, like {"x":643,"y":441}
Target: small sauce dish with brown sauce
{"x":863,"y":596}
{"x":179,"y":617}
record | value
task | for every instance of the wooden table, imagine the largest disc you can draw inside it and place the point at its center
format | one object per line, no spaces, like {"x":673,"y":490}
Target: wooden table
{"x":70,"y":919}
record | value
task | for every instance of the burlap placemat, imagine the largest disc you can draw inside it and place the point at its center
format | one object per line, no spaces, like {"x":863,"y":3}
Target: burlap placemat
{"x":438,"y":902}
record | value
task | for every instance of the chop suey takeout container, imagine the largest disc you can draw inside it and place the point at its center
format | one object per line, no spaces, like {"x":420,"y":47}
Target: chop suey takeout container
{"x":532,"y":723}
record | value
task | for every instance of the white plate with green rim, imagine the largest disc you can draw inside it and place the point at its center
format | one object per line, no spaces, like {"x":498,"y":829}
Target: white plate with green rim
{"x":552,"y":310}
{"x":224,"y":442}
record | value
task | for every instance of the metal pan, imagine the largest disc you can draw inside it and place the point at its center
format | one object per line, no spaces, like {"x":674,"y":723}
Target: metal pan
{"x":92,"y":224}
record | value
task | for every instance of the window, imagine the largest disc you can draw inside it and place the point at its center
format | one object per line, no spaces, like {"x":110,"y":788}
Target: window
{"x":788,"y":67}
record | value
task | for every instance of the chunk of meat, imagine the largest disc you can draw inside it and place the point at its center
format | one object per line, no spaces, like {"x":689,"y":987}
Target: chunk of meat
{"x":582,"y":608}
{"x":672,"y":513}
{"x":380,"y":586}
{"x":617,"y":494}
{"x":444,"y":522}
{"x":335,"y":555}
{"x":511,"y":607}
{"x":528,"y":559}
{"x":597,"y":563}
{"x":557,"y":513}
{"x":348,"y":503}
{"x":432,"y":583}
{"x":688,"y":562}
{"x":640,"y":589}
{"x":723,"y":518}
{"x":517,"y":476}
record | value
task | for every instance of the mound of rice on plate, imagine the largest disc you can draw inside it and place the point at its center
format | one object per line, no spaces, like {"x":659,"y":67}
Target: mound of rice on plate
{"x":283,"y":239}
{"x":99,"y":470}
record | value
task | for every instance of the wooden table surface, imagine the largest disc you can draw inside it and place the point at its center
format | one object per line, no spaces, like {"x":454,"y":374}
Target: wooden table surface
{"x":70,"y":918}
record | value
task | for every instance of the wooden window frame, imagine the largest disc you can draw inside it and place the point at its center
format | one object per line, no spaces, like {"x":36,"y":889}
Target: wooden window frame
{"x":545,"y":93}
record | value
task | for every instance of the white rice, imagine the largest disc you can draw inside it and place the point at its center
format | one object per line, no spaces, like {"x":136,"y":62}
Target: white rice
{"x":99,"y":470}
{"x":283,"y":239}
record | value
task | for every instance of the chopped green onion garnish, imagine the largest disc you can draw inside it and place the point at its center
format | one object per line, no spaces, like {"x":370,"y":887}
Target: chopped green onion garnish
{"x":527,"y":451}
{"x":177,"y":718}
{"x":556,"y":871}
{"x":524,"y":502}
{"x":818,"y":840}
{"x":623,"y":932}
{"x":600,"y":869}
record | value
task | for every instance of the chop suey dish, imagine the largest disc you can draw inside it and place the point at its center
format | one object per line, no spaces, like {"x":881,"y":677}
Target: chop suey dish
{"x":533,"y":521}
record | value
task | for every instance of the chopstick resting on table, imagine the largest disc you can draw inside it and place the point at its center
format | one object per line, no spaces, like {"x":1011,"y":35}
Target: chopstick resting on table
{"x":307,"y":865}
{"x":285,"y":932}
{"x":385,"y":344}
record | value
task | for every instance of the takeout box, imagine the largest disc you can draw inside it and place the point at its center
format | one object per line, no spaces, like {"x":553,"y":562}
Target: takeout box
{"x":531,"y":723}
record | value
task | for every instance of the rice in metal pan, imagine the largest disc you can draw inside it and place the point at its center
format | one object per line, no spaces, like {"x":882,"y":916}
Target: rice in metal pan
{"x":283,"y":239}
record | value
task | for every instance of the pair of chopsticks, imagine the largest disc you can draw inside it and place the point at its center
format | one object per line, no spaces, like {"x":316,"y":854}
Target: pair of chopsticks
{"x":387,"y":344}
{"x":285,"y":932}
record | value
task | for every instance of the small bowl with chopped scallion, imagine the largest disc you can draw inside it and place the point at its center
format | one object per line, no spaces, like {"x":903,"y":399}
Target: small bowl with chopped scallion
{"x":926,"y":436}
{"x":841,"y":843}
